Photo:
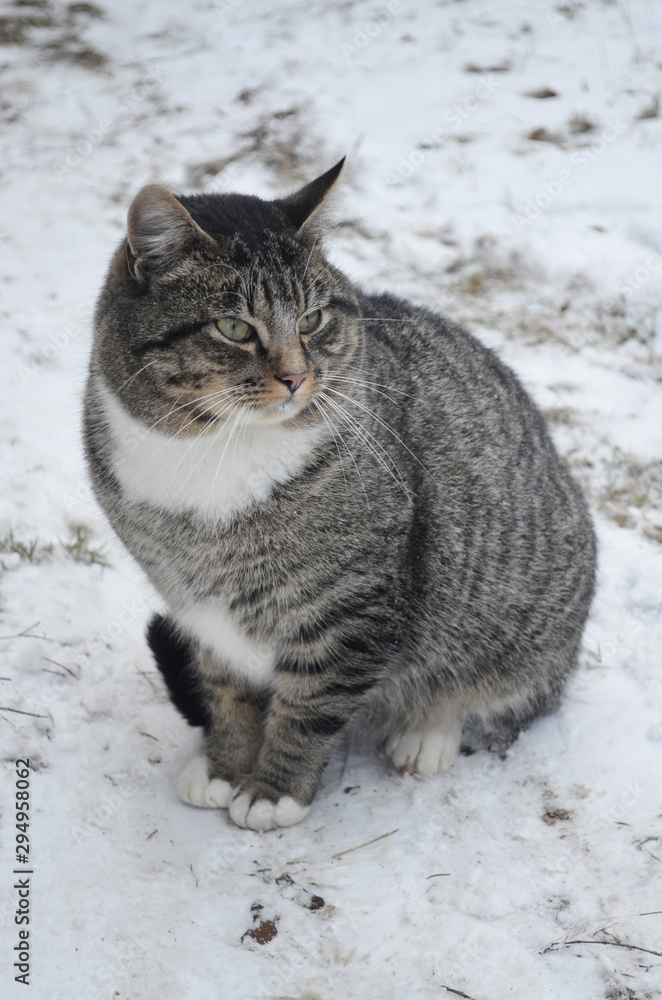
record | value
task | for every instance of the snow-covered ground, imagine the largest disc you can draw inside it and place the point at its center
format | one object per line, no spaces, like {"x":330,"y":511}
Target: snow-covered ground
{"x":504,"y":166}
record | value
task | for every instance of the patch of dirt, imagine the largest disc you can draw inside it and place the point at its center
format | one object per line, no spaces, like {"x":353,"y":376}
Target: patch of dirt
{"x":554,"y":815}
{"x":264,"y":930}
{"x":54,"y":30}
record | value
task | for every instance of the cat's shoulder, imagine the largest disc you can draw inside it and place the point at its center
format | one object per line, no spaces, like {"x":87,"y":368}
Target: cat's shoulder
{"x":412,"y":330}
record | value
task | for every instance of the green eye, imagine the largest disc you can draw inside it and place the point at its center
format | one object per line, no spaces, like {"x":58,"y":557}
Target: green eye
{"x":234,"y":329}
{"x":310,"y":321}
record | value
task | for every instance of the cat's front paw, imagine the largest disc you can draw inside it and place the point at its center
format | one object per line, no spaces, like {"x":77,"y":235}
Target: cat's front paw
{"x":195,"y":787}
{"x":262,"y":808}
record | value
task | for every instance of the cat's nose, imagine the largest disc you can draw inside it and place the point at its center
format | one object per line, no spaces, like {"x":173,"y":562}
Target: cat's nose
{"x":293,"y":379}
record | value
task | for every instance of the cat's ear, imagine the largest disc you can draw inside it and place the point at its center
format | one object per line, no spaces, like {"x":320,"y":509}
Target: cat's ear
{"x":301,"y":206}
{"x":158,"y":230}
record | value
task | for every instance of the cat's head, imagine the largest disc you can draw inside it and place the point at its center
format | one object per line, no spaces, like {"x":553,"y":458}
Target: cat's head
{"x":223,"y":306}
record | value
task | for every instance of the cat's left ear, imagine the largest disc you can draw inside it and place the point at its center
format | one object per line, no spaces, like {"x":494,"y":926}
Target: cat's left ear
{"x":159,"y":230}
{"x":301,"y":206}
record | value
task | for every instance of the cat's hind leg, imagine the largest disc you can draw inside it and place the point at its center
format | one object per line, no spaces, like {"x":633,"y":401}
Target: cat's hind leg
{"x":431,"y":744}
{"x":207,"y":695}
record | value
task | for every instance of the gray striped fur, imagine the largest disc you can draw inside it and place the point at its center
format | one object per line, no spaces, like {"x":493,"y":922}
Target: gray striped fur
{"x":427,"y":561}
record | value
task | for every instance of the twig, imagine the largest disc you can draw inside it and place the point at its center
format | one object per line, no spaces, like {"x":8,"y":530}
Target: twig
{"x":438,"y":875}
{"x":57,"y":664}
{"x":359,"y":846}
{"x":614,"y":944}
{"x":25,"y":634}
{"x":458,"y":993}
{"x":5,"y":708}
{"x":147,"y":678}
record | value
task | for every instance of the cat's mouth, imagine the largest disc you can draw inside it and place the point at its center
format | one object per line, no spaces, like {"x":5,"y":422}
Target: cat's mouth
{"x":278,"y":412}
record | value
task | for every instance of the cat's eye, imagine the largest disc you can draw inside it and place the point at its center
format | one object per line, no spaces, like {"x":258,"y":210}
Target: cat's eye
{"x":310,"y":321}
{"x":234,"y":329}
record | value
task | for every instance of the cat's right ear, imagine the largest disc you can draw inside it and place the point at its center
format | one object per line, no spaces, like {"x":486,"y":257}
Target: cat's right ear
{"x":301,"y":206}
{"x":158,"y":231}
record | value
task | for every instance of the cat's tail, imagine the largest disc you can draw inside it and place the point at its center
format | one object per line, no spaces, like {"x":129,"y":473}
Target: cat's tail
{"x":175,"y":658}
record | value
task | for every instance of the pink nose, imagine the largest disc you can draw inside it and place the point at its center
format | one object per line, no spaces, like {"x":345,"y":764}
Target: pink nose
{"x":293,"y":379}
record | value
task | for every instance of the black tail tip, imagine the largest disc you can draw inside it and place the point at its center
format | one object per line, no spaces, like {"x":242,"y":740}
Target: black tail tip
{"x":174,"y":655}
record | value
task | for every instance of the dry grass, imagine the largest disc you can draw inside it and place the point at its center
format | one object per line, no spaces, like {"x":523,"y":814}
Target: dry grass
{"x":31,"y":551}
{"x":564,"y":416}
{"x":283,"y":142}
{"x":625,"y":489}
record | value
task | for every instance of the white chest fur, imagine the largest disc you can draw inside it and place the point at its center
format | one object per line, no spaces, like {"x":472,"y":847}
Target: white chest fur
{"x":216,"y":474}
{"x":213,"y":626}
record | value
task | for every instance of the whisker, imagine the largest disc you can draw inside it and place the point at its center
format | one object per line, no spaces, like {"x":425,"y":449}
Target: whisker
{"x":136,"y":374}
{"x":362,"y":372}
{"x":171,"y":437}
{"x":371,"y":443}
{"x":242,"y":431}
{"x":233,"y":406}
{"x":379,"y":420}
{"x":205,"y":398}
{"x":318,"y":406}
{"x":316,"y":278}
{"x":370,"y":372}
{"x":310,"y":255}
{"x":225,"y":448}
{"x":221,"y":263}
{"x":371,"y":386}
{"x":329,"y":422}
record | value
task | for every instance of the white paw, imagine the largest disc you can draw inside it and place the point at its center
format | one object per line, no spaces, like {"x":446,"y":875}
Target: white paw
{"x":195,"y":788}
{"x":426,"y":751}
{"x":264,"y":815}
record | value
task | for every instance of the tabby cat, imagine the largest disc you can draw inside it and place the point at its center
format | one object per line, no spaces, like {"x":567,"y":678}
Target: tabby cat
{"x":351,"y":508}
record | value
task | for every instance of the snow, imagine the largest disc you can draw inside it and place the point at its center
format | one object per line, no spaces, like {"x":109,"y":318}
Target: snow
{"x":477,"y":880}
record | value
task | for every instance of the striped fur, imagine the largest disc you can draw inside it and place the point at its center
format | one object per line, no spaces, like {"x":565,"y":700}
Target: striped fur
{"x":397,"y":541}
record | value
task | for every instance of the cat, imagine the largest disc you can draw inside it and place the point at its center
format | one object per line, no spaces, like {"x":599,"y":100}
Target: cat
{"x":351,"y":508}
